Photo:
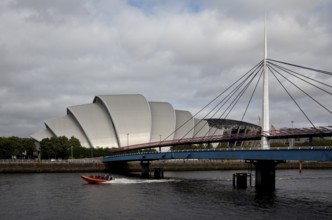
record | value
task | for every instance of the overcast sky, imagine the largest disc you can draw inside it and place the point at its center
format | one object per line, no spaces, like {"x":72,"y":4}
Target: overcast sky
{"x":55,"y":54}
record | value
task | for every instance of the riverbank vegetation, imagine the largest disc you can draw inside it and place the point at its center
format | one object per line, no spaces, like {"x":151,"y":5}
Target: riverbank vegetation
{"x":15,"y":147}
{"x":48,"y":148}
{"x":62,"y":147}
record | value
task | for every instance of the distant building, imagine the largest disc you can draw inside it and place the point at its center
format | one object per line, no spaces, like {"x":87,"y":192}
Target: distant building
{"x":229,"y":126}
{"x":122,"y":120}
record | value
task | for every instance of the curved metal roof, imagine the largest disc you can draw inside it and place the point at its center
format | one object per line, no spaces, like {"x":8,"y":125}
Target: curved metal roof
{"x":163,"y":121}
{"x":131,"y":117}
{"x":96,"y":124}
{"x":201,"y":128}
{"x":66,"y":126}
{"x":184,"y":124}
{"x":40,"y":135}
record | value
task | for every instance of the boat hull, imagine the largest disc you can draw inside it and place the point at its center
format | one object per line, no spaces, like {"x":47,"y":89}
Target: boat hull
{"x":94,"y":180}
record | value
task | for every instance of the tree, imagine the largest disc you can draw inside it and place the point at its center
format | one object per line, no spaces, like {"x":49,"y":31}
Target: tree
{"x":16,"y":147}
{"x":61,"y":147}
{"x":46,"y":148}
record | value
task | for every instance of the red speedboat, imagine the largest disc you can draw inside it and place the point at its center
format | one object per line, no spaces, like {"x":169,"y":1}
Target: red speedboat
{"x":98,"y":179}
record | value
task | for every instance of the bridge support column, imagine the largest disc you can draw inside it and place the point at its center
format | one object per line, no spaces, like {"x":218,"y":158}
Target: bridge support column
{"x":145,"y":169}
{"x":265,"y":173}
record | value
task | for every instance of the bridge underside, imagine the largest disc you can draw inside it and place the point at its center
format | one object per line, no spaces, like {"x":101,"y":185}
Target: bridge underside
{"x":264,"y":161}
{"x":274,"y":155}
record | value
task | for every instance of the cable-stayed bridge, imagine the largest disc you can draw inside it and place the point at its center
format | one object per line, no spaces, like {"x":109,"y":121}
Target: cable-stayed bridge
{"x":264,"y":158}
{"x":236,"y":91}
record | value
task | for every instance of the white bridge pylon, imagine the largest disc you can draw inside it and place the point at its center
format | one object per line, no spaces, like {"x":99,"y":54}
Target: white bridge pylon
{"x":265,"y":144}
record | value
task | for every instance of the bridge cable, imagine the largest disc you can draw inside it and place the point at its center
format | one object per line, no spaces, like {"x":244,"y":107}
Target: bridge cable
{"x":230,"y":94}
{"x":291,"y":97}
{"x":260,"y":63}
{"x":293,"y":73}
{"x":296,"y":75}
{"x":239,"y":96}
{"x":235,"y":101}
{"x":233,"y":93}
{"x":252,"y":94}
{"x":235,"y":89}
{"x":303,"y":67}
{"x":221,"y":116}
{"x":301,"y":90}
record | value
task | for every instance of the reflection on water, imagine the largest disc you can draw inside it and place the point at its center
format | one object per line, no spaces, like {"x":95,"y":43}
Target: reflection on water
{"x":182,"y":195}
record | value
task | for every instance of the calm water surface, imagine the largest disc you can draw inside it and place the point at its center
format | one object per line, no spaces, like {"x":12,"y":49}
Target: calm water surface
{"x":183,"y":195}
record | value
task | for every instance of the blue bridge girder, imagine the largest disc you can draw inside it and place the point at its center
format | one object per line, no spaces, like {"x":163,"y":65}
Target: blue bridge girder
{"x":308,"y":154}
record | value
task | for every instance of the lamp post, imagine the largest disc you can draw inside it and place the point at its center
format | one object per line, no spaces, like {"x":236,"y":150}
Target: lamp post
{"x":127,"y":139}
{"x":160,"y":143}
{"x":292,"y":140}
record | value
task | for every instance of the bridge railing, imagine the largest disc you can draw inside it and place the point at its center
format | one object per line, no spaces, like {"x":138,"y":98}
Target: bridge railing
{"x":229,"y":149}
{"x":273,"y":134}
{"x":291,"y":132}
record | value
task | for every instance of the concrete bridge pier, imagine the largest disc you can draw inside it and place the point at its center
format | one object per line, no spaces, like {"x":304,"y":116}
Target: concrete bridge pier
{"x":158,"y":173}
{"x":265,"y":173}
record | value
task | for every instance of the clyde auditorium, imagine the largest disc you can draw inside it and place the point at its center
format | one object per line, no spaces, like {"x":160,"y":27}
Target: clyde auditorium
{"x":122,"y":120}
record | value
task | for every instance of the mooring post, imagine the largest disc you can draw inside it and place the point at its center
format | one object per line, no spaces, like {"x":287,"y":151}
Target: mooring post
{"x":240,"y":180}
{"x":250,"y":179}
{"x":158,"y":173}
{"x":145,"y":169}
{"x":234,"y":180}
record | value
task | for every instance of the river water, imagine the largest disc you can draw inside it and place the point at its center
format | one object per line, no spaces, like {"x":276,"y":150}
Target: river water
{"x":181,"y":195}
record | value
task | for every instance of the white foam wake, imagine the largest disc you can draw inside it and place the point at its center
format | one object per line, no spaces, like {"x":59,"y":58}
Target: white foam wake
{"x":137,"y":181}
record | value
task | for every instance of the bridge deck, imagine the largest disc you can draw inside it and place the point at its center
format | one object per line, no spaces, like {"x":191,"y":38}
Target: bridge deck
{"x":309,"y":154}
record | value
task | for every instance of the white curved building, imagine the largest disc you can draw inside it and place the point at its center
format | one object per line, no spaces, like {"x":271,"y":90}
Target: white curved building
{"x":122,"y":120}
{"x":94,"y":122}
{"x":64,"y":126}
{"x":131,"y":118}
{"x":163,"y":121}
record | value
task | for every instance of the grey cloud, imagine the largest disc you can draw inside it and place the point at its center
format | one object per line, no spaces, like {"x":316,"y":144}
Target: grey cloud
{"x":53,"y":11}
{"x":55,"y":54}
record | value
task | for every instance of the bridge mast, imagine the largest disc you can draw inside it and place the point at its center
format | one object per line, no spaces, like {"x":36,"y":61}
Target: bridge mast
{"x":266,"y":109}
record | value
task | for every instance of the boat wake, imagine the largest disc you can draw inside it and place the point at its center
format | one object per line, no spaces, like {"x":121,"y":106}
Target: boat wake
{"x":138,"y":181}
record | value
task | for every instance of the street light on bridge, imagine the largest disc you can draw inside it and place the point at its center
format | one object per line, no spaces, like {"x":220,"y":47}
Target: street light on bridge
{"x":292,"y":140}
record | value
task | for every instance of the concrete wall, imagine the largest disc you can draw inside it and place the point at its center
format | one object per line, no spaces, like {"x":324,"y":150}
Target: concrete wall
{"x":167,"y":165}
{"x":50,"y":167}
